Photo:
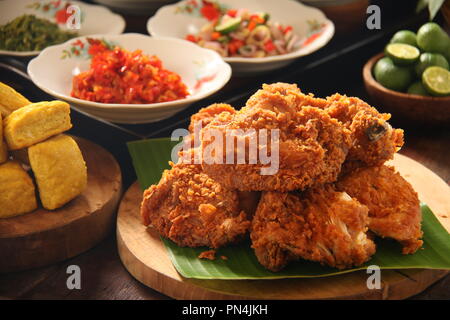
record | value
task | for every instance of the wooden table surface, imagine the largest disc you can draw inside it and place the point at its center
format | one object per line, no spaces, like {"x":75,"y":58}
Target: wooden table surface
{"x":104,"y":277}
{"x":102,"y":273}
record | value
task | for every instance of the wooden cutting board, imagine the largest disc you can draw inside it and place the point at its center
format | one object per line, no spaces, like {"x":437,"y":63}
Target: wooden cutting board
{"x":44,"y":237}
{"x":145,"y":257}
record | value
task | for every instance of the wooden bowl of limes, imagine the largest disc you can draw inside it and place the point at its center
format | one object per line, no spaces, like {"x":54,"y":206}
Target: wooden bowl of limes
{"x":405,"y":107}
{"x":411,"y":79}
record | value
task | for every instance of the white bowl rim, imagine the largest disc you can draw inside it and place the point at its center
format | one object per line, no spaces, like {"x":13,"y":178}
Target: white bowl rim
{"x":36,"y":52}
{"x":326,"y":37}
{"x":87,"y":103}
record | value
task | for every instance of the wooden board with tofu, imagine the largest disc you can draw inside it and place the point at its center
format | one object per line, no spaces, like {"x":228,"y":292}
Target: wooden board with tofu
{"x":43,"y":237}
{"x":57,"y":194}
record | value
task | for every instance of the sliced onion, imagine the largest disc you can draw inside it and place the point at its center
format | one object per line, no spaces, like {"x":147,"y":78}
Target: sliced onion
{"x":216,"y":46}
{"x":206,"y":31}
{"x":288,"y":35}
{"x":280,"y":45}
{"x":292,"y":43}
{"x":248,"y":50}
{"x":241,"y":34}
{"x":259,"y":35}
{"x":276,"y":32}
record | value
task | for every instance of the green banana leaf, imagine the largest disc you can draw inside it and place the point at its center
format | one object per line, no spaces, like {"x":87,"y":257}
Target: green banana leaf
{"x":150,"y":158}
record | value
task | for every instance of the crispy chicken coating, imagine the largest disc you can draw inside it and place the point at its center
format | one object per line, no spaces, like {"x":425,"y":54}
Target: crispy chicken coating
{"x":207,"y":114}
{"x":191,"y":151}
{"x":320,"y":225}
{"x":300,"y":212}
{"x":248,"y":199}
{"x":394,"y":208}
{"x":193,"y":210}
{"x":374,"y":140}
{"x":311,"y":147}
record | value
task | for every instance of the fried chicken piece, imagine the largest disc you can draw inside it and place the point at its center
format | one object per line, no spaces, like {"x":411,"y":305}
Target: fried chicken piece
{"x":319,"y":224}
{"x":191,"y":209}
{"x":374,"y":140}
{"x":293,"y":92}
{"x":312,"y":146}
{"x":394,"y":208}
{"x":207,"y":114}
{"x":190,"y":152}
{"x":248,"y":201}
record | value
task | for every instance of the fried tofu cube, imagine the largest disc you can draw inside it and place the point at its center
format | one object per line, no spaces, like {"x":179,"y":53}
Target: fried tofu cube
{"x":4,"y":156}
{"x":17,"y":192}
{"x":60,"y":170}
{"x":10,"y":100}
{"x":3,"y":147}
{"x":35,"y":123}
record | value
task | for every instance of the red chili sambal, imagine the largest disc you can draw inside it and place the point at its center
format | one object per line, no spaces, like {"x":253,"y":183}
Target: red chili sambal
{"x":121,"y":76}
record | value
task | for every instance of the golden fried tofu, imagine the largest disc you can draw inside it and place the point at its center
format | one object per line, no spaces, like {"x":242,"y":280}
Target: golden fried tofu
{"x":17,"y":192}
{"x":10,"y":100}
{"x":3,"y":152}
{"x":35,"y":123}
{"x":60,"y":170}
{"x":3,"y":147}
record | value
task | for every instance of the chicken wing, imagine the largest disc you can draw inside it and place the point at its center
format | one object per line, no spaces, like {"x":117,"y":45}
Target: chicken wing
{"x":374,"y":140}
{"x":320,"y":225}
{"x":394,"y":208}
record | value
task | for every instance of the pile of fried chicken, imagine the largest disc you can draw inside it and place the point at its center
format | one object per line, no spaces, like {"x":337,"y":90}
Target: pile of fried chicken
{"x":331,"y":196}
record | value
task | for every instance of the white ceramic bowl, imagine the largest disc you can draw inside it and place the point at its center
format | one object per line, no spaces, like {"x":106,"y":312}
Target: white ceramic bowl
{"x":94,"y":19}
{"x":179,"y":19}
{"x":202,"y":70}
{"x":137,"y":7}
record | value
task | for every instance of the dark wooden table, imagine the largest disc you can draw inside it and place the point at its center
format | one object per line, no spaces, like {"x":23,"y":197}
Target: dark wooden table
{"x":335,"y":68}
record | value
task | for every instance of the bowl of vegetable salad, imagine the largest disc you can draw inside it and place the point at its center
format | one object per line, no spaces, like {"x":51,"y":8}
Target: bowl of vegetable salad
{"x":252,"y":35}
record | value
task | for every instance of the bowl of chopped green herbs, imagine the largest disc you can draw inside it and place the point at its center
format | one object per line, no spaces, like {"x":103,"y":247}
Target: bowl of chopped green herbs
{"x":29,"y":26}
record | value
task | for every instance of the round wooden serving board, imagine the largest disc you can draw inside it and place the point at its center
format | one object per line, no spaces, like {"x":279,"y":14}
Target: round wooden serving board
{"x":145,"y":257}
{"x":44,"y":237}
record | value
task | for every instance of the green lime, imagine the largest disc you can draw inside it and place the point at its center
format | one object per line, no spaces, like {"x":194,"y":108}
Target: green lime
{"x":447,"y":53}
{"x":428,"y":60}
{"x":417,"y":88}
{"x":405,"y":36}
{"x":437,"y":81}
{"x":431,"y":38}
{"x":229,"y":25}
{"x":391,"y":76}
{"x":402,"y":54}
